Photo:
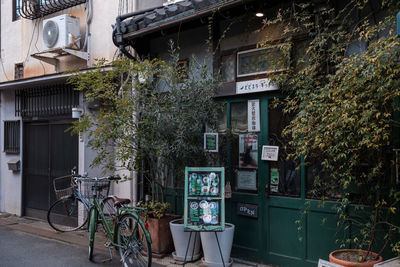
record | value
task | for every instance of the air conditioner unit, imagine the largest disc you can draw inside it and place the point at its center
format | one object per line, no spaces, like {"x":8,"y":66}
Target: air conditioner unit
{"x":61,"y":31}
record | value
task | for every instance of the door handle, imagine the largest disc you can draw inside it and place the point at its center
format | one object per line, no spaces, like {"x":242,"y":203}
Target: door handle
{"x":267,"y":190}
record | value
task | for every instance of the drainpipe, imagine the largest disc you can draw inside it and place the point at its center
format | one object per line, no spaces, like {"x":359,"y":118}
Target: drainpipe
{"x":117,"y":33}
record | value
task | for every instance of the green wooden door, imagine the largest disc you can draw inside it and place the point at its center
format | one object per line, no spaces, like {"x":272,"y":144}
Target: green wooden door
{"x":276,"y":230}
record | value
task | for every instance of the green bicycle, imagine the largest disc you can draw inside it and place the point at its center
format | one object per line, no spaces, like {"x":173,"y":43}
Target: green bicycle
{"x":123,"y":225}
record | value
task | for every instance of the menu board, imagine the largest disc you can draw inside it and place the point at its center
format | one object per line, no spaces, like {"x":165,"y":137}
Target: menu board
{"x":204,"y":199}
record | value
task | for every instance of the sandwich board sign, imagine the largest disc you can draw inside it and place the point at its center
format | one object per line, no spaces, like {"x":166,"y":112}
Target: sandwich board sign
{"x":204,"y":207}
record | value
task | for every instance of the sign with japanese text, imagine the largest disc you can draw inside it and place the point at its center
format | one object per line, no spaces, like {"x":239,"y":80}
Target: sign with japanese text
{"x":204,"y":207}
{"x":211,"y":142}
{"x":253,"y":115}
{"x":253,"y":86}
{"x":270,"y":153}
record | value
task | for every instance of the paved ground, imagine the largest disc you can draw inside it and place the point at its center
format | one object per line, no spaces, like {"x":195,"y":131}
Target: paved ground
{"x":27,"y":230}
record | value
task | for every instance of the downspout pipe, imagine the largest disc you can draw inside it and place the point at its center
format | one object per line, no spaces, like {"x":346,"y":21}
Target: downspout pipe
{"x":117,"y":33}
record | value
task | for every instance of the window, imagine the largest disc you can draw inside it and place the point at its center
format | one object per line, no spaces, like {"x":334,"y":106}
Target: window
{"x":11,"y":136}
{"x":260,"y":61}
{"x":19,"y":71}
{"x":16,"y":9}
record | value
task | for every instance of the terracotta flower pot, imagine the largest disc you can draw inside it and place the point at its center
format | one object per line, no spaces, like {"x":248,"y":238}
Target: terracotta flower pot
{"x":333,"y":257}
{"x":161,"y":234}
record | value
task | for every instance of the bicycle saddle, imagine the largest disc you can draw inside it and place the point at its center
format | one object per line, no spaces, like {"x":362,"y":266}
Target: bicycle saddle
{"x":118,"y":202}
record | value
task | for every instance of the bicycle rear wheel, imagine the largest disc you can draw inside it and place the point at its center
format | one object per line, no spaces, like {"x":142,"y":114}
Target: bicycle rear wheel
{"x":63,"y":215}
{"x":134,"y":248}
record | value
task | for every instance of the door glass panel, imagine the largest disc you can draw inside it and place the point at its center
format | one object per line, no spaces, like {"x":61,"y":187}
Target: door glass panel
{"x":239,"y":117}
{"x":221,"y":124}
{"x":284,"y":178}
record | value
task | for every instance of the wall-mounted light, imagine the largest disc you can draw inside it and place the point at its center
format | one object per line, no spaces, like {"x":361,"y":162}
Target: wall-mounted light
{"x":77,"y":113}
{"x":259,"y":14}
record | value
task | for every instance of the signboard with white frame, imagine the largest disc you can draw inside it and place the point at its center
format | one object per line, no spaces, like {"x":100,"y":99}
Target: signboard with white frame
{"x":211,"y":142}
{"x":254,"y":86}
{"x":270,"y":153}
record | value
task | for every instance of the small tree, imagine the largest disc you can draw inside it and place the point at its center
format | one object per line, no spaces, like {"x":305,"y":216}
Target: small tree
{"x":152,"y":116}
{"x":345,"y":105}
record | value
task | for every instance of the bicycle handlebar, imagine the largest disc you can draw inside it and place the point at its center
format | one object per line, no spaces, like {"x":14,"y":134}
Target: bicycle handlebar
{"x":87,"y":178}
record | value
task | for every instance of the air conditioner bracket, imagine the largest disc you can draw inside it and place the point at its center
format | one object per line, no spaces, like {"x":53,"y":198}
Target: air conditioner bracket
{"x":51,"y":56}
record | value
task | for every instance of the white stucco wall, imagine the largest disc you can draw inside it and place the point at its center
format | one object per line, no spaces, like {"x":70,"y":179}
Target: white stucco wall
{"x":10,"y":182}
{"x":22,"y":38}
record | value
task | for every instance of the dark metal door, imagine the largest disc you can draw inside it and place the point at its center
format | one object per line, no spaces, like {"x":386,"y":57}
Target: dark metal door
{"x":49,"y":152}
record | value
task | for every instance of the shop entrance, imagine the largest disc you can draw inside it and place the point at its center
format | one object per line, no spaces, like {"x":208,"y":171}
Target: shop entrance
{"x":269,"y":197}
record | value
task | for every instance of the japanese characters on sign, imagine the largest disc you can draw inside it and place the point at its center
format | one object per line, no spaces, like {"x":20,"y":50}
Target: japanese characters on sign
{"x":204,"y":199}
{"x":270,"y":153}
{"x":253,"y":114}
{"x":211,"y":142}
{"x":253,"y":86}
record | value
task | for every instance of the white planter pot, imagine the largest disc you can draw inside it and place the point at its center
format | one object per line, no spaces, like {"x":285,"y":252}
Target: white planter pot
{"x":181,"y":240}
{"x":212,"y":256}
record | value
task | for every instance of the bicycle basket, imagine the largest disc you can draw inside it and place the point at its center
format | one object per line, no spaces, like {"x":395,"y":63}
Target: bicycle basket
{"x":63,"y":187}
{"x":103,"y":187}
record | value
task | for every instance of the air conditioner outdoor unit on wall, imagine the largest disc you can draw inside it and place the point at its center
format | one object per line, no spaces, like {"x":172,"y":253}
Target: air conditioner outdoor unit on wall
{"x":61,"y":31}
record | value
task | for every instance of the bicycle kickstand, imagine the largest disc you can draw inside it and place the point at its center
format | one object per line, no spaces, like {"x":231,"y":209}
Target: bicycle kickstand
{"x":108,"y":245}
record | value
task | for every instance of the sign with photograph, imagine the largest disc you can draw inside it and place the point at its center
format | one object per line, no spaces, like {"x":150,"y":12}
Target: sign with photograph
{"x":253,"y":115}
{"x":211,"y":142}
{"x":270,"y":153}
{"x":253,"y":86}
{"x":248,"y":151}
{"x":204,"y":207}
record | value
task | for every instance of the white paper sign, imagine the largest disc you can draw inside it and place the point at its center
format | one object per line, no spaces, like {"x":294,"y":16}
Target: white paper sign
{"x":270,"y":153}
{"x":253,"y":115}
{"x":254,"y":86}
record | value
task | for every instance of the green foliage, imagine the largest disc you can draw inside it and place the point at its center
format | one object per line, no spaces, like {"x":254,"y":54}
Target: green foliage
{"x":156,"y":209}
{"x":152,"y":116}
{"x":345,"y":103}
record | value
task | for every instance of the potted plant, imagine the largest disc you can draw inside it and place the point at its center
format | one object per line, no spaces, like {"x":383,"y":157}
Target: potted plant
{"x":151,"y":119}
{"x":158,"y":226}
{"x":343,"y":98}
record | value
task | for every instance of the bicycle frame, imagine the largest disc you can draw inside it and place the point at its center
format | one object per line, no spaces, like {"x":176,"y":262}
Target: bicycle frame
{"x":110,"y":229}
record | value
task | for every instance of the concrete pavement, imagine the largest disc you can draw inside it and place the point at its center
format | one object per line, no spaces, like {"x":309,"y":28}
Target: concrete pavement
{"x":79,"y":239}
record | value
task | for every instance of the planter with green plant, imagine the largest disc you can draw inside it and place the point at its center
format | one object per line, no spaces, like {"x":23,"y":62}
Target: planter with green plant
{"x":151,"y":120}
{"x":158,"y":225}
{"x":342,"y":88}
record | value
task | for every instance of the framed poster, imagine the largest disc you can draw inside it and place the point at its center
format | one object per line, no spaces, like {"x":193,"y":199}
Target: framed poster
{"x":211,"y":142}
{"x":204,"y":207}
{"x":270,"y":153}
{"x":248,"y":151}
{"x":246,"y":180}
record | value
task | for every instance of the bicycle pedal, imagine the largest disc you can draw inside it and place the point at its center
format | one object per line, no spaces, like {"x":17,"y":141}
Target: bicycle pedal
{"x":106,"y":261}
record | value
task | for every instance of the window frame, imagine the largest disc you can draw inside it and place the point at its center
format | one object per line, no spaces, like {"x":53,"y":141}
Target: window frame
{"x":255,"y":73}
{"x":12,"y":136}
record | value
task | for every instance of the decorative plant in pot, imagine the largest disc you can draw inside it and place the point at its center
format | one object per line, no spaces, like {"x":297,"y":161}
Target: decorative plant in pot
{"x":342,"y":88}
{"x":151,"y":120}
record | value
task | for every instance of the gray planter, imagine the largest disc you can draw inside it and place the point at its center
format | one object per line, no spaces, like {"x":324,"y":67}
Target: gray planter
{"x":212,"y":256}
{"x":181,"y":239}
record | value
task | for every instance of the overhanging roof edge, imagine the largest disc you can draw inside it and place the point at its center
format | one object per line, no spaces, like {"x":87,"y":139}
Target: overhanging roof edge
{"x":170,"y":23}
{"x":40,"y":80}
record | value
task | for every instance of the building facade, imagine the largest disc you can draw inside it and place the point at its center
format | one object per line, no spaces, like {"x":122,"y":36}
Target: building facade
{"x":36,"y":99}
{"x":227,"y":36}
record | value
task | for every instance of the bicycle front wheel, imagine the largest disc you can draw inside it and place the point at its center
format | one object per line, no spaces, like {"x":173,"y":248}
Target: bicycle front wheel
{"x":134,"y":248}
{"x":63,"y":215}
{"x":92,"y":231}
